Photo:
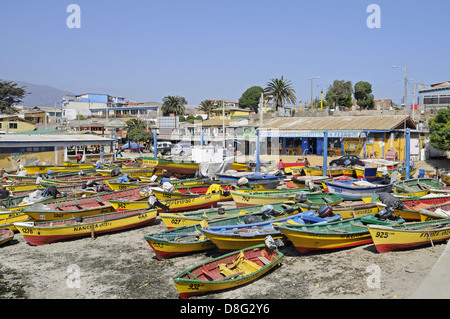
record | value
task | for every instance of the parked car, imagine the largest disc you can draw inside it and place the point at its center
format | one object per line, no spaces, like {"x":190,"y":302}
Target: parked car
{"x":348,"y":160}
{"x":163,"y":147}
{"x":183,"y":149}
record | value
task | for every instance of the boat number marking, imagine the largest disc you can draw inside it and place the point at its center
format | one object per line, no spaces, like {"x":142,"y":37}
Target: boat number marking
{"x":194,"y":286}
{"x":175,"y":221}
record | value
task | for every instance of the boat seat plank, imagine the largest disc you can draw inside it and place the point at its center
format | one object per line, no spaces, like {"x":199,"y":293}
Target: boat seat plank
{"x":264,"y":260}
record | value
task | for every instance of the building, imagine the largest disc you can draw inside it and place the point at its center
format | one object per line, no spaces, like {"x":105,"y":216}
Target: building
{"x":14,"y":124}
{"x":368,"y":136}
{"x":16,"y":149}
{"x":434,"y":97}
{"x":231,"y":113}
{"x":83,"y":104}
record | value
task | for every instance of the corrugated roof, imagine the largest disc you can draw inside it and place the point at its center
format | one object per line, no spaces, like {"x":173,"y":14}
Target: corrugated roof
{"x":384,"y":123}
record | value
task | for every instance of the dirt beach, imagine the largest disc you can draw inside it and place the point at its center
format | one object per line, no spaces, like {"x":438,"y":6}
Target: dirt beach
{"x":123,"y":266}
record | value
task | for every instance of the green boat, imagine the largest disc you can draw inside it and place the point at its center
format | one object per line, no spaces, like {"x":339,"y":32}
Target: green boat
{"x":243,"y":199}
{"x":174,"y":220}
{"x":417,"y":185}
{"x":335,"y":235}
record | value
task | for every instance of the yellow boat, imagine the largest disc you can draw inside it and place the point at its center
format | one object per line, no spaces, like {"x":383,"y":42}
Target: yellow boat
{"x":173,"y":166}
{"x":8,"y":222}
{"x":345,"y":211}
{"x":318,"y":171}
{"x":410,"y":235}
{"x":23,"y":187}
{"x":66,"y":167}
{"x":131,"y":172}
{"x":48,"y":232}
{"x":176,"y":204}
{"x":85,"y":206}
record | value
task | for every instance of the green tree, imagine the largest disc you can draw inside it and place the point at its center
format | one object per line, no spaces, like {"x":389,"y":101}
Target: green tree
{"x":10,"y":95}
{"x":280,"y":91}
{"x":250,"y":98}
{"x":134,"y":124}
{"x":440,"y":130}
{"x":139,"y":136}
{"x":206,"y":106}
{"x":173,"y":104}
{"x":340,"y":93}
{"x":363,"y":95}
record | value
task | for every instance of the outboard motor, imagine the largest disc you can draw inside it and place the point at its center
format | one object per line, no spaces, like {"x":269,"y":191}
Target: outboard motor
{"x":325,"y":211}
{"x":115,"y":172}
{"x":387,"y":213}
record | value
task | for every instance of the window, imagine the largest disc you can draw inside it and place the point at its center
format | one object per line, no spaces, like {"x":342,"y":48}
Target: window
{"x":436,"y":99}
{"x":13,"y":126}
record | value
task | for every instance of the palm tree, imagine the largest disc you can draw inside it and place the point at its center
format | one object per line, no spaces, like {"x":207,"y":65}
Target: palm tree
{"x":206,"y":106}
{"x":173,"y":104}
{"x":281,"y":92}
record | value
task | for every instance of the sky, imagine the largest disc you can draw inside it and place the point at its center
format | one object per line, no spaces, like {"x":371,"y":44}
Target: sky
{"x":208,"y":49}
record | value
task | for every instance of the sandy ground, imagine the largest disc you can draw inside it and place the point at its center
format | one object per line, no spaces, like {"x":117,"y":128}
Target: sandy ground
{"x":122,"y":265}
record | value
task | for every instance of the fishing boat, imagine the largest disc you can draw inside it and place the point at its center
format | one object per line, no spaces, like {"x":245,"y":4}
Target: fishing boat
{"x":6,"y":235}
{"x":441,"y":211}
{"x":8,"y":222}
{"x":355,"y":189}
{"x":346,"y":211}
{"x":334,"y":235}
{"x":289,"y":167}
{"x":182,"y":167}
{"x":175,"y":220}
{"x":175,"y":205}
{"x":318,"y":171}
{"x":409,"y":235}
{"x":411,"y":207}
{"x":233,"y":237}
{"x":189,"y":191}
{"x":190,"y":239}
{"x":66,"y":167}
{"x":85,"y":206}
{"x":40,"y":233}
{"x":227,"y":271}
{"x":417,"y":185}
{"x":267,"y":181}
{"x":445,"y":177}
{"x":243,"y":199}
{"x":130,"y":172}
{"x":144,"y":181}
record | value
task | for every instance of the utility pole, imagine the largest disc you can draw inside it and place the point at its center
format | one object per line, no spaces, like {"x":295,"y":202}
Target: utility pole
{"x":414,"y":101}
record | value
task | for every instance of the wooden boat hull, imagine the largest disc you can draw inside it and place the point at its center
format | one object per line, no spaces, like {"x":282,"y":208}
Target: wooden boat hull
{"x":177,"y":204}
{"x":175,"y":220}
{"x":415,"y":235}
{"x":6,"y":235}
{"x":309,"y":238}
{"x":244,"y":199}
{"x":180,"y":241}
{"x":50,"y":232}
{"x":313,"y":171}
{"x":8,"y":222}
{"x":413,"y":206}
{"x":417,"y":184}
{"x":67,"y":167}
{"x":347,"y":212}
{"x":85,"y":206}
{"x":349,"y":192}
{"x":174,"y":167}
{"x":193,"y":281}
{"x":252,"y":199}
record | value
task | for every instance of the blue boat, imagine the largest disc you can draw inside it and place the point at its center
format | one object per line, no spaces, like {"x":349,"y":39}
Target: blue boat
{"x":234,"y":237}
{"x":355,"y":189}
